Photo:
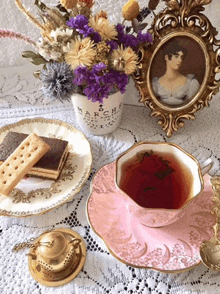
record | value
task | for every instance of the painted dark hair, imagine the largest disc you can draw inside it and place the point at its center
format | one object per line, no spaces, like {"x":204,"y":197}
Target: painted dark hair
{"x":172,"y":48}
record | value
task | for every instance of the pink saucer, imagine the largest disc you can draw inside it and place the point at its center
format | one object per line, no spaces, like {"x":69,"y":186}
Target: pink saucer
{"x":115,"y":219}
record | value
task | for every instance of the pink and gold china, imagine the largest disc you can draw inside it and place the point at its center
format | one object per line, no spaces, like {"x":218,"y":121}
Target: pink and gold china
{"x":119,"y":221}
{"x":161,"y":179}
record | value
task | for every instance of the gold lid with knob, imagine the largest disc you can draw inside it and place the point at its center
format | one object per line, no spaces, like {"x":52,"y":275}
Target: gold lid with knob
{"x":56,"y":257}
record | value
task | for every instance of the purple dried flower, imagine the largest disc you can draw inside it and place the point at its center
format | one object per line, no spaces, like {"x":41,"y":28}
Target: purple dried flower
{"x":98,"y":83}
{"x":142,"y":38}
{"x":112,"y":44}
{"x":96,"y":37}
{"x":98,"y":67}
{"x":78,"y":22}
{"x":120,"y":29}
{"x":81,"y":75}
{"x":129,"y":41}
{"x":125,"y":39}
{"x":86,"y":31}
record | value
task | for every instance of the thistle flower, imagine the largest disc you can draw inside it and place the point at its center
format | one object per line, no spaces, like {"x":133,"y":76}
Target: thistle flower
{"x":57,"y":81}
{"x":101,"y":25}
{"x":101,"y":54}
{"x":82,"y":52}
{"x":124,"y":60}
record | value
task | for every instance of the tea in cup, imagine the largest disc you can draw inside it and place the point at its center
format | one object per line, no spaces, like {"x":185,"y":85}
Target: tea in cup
{"x":161,"y":179}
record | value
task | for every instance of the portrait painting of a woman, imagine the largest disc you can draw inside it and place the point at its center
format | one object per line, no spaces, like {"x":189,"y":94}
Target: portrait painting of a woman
{"x":173,"y":87}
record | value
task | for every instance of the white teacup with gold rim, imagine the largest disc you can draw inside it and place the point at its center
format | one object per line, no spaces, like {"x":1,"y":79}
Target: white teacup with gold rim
{"x":161,"y":179}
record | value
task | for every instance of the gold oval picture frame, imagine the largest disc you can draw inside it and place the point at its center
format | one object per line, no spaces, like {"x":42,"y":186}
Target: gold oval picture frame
{"x":177,"y":72}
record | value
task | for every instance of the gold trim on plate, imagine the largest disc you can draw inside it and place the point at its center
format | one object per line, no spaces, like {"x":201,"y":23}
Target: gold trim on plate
{"x":70,"y":173}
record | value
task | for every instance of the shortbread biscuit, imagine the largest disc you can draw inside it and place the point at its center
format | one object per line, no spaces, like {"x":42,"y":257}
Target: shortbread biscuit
{"x":19,"y":163}
{"x":49,"y":166}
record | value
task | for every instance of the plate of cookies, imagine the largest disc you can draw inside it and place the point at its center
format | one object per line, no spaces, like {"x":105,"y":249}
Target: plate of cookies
{"x":43,"y":164}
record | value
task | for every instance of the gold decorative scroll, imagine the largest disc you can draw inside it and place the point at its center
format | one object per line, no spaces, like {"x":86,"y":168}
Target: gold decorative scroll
{"x":180,"y":19}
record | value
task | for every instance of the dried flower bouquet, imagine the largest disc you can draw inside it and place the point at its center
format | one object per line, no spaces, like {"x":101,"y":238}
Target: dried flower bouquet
{"x":82,"y":52}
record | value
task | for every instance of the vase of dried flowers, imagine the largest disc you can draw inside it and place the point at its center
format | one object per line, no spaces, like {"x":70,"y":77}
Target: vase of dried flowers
{"x":84,"y":53}
{"x":98,"y":118}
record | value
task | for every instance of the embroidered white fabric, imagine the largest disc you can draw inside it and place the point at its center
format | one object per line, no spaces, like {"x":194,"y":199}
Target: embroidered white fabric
{"x":20,"y":97}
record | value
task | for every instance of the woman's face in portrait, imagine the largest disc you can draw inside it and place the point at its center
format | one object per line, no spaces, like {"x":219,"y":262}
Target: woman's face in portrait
{"x":175,"y":61}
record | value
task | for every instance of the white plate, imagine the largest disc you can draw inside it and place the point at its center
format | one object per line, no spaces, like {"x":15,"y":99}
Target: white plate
{"x":34,"y":195}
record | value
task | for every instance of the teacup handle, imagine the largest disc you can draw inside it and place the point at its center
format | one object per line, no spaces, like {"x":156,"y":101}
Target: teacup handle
{"x":206,"y":166}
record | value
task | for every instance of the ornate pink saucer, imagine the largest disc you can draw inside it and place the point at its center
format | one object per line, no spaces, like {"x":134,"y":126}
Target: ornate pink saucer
{"x":119,"y":222}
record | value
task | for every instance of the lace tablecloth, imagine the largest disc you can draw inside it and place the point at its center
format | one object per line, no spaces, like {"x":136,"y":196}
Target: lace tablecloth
{"x":20,"y":98}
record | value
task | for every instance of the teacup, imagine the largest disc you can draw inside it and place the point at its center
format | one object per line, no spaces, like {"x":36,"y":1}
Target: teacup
{"x":161,"y":179}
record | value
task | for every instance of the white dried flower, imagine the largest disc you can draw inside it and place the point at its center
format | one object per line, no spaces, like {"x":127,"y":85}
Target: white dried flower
{"x":61,"y":35}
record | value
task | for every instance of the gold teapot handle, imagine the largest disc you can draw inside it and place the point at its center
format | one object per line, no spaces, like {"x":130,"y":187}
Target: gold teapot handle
{"x":75,"y":242}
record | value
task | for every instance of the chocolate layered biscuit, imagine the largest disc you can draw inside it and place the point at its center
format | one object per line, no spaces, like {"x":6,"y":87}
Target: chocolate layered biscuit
{"x":50,"y":164}
{"x":19,"y":163}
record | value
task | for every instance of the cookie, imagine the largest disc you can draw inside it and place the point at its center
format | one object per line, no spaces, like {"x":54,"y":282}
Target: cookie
{"x":49,"y":166}
{"x":19,"y":163}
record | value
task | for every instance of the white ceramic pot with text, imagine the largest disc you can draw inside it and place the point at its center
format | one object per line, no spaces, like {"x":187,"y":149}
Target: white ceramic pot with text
{"x":96,"y":118}
{"x":160,"y":181}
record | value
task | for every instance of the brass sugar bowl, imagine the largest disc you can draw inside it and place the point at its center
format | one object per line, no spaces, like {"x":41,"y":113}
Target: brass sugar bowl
{"x":56,"y":257}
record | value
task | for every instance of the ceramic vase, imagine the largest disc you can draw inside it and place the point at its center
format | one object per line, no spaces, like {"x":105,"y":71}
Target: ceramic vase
{"x":96,"y":118}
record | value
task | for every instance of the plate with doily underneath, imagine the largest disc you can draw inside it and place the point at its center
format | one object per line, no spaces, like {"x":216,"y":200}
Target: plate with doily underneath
{"x":34,"y":195}
{"x":172,"y":248}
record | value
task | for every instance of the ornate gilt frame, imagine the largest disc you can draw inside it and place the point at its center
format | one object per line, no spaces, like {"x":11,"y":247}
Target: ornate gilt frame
{"x":183,"y":20}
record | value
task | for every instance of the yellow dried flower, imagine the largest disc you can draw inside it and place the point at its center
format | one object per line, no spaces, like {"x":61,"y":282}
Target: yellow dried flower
{"x":130,"y":10}
{"x":101,"y":25}
{"x":82,"y":52}
{"x":102,"y":52}
{"x":124,"y":60}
